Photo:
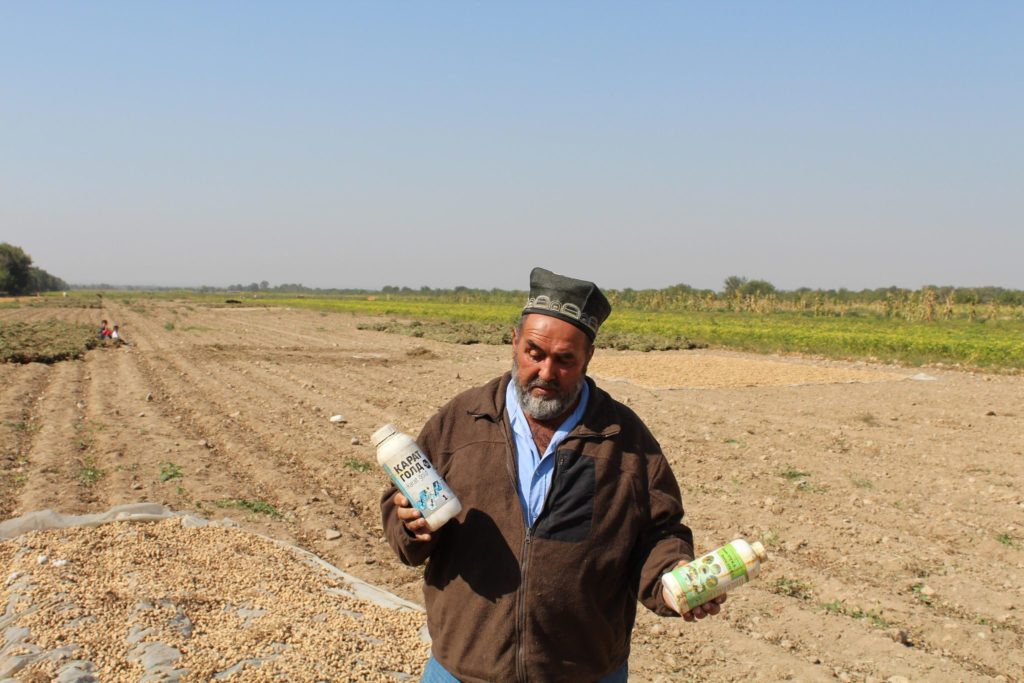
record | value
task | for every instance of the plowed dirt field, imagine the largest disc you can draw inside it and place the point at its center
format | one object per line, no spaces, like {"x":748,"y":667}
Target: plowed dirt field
{"x":891,"y":502}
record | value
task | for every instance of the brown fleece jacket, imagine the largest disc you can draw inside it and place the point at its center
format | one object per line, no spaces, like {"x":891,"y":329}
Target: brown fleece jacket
{"x":555,"y":602}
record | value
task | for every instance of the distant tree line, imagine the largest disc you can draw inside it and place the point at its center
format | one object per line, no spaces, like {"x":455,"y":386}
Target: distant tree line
{"x":733,"y":288}
{"x":288,"y":288}
{"x":737,"y":293}
{"x":740,"y":286}
{"x":18,"y":276}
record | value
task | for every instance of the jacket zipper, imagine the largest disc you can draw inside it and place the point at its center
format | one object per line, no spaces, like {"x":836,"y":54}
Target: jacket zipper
{"x":523,"y":563}
{"x":523,"y":567}
{"x":521,"y":621}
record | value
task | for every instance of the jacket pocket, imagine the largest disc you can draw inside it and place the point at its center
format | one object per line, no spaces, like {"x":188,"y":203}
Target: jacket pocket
{"x":569,"y":513}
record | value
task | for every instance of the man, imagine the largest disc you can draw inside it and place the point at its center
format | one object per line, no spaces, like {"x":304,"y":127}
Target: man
{"x":570,"y":512}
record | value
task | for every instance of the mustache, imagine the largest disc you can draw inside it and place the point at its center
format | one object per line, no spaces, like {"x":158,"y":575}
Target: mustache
{"x":538,"y":383}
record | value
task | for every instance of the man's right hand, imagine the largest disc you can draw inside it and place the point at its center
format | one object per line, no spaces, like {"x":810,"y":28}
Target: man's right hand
{"x":411,"y":518}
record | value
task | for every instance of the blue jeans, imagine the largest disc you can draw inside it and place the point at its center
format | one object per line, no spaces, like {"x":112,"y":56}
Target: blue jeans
{"x":433,"y":672}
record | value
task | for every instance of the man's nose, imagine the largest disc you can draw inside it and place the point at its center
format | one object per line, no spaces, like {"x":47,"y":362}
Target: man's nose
{"x":547,"y":370}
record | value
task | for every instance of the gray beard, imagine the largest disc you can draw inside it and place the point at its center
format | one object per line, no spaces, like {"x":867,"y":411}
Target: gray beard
{"x":543,"y":408}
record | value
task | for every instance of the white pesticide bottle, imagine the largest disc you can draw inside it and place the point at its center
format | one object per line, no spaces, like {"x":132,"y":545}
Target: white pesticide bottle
{"x":415,"y":476}
{"x":707,"y":577}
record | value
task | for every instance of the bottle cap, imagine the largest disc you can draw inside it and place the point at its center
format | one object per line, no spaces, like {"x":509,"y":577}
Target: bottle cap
{"x":759,"y":551}
{"x":383,"y":433}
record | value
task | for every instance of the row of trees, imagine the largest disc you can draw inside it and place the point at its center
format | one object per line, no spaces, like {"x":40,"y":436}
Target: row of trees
{"x":287,"y":288}
{"x":737,"y":294}
{"x":735,"y":288}
{"x":18,"y":276}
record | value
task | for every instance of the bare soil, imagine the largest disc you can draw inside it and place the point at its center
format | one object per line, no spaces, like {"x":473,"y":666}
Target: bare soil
{"x":892,"y":507}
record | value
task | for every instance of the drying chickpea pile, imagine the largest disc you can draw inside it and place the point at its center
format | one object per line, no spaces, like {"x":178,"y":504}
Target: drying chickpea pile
{"x":126,"y":601}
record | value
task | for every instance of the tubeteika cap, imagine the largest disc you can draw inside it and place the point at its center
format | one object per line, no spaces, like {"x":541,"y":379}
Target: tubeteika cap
{"x":575,"y":301}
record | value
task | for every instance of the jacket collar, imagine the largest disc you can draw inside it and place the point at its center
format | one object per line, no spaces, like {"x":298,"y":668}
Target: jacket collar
{"x":600,"y":420}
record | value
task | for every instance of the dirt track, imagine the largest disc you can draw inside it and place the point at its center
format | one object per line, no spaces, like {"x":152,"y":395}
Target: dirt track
{"x":892,"y":507}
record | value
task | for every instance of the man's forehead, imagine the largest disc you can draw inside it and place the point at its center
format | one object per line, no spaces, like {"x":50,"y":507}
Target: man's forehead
{"x":552,"y":333}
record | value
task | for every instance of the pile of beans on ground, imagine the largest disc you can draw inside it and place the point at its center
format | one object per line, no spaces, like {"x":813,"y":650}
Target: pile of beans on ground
{"x":165,"y":601}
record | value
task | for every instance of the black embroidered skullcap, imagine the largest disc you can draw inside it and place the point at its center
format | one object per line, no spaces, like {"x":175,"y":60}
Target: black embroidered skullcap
{"x":575,"y":301}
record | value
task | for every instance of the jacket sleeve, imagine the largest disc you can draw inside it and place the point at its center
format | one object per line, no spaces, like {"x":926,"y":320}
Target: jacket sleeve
{"x":409,"y":550}
{"x":667,"y":540}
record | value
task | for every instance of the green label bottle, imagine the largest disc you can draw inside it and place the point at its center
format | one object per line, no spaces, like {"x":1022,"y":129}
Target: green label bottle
{"x":709,"y":576}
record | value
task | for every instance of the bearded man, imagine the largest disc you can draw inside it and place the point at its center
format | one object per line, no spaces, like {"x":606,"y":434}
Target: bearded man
{"x":570,"y":512}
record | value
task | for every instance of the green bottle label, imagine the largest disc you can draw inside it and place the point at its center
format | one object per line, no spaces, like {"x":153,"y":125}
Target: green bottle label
{"x":711,"y":575}
{"x":733,"y":562}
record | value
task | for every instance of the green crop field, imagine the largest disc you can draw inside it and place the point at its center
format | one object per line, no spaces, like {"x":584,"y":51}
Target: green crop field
{"x":911,"y":328}
{"x":996,"y":344}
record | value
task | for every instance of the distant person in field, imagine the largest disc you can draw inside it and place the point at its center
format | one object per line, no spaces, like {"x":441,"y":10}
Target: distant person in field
{"x":570,"y":512}
{"x":116,"y":333}
{"x":105,"y":331}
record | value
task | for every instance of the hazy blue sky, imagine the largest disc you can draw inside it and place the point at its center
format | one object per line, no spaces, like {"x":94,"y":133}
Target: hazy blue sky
{"x":360,"y":144}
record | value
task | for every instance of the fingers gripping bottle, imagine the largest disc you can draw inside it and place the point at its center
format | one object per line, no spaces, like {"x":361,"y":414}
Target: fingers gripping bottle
{"x":415,"y":476}
{"x":709,"y":576}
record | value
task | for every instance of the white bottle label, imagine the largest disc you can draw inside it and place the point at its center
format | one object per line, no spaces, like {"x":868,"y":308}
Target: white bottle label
{"x":418,"y":481}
